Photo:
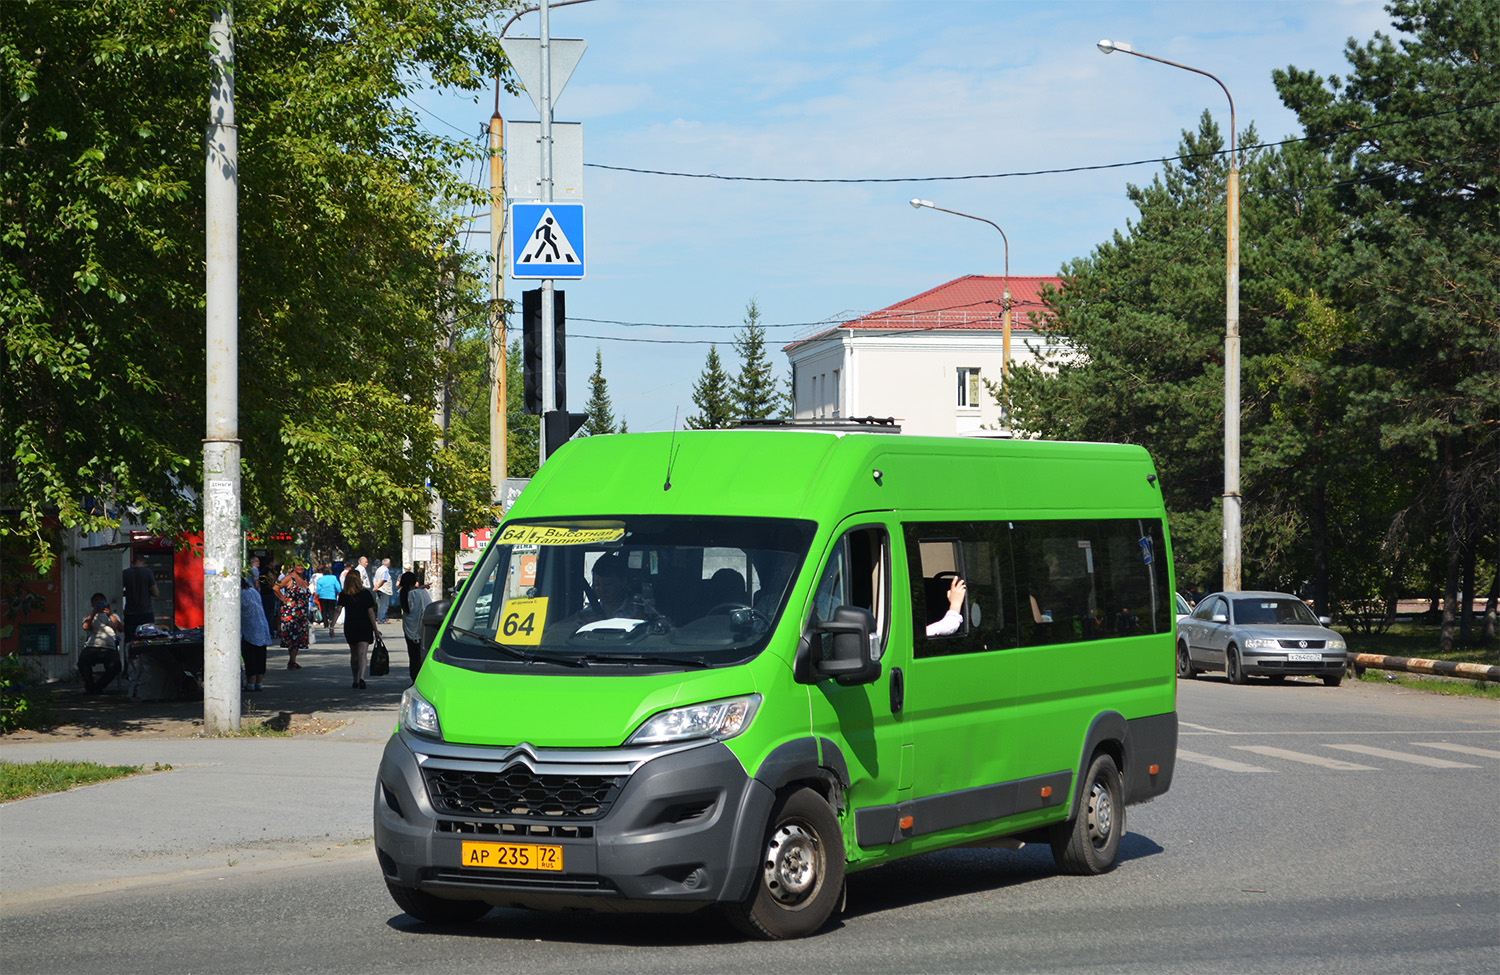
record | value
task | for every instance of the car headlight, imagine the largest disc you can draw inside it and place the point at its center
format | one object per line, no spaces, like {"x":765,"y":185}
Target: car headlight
{"x":418,"y":715}
{"x":717,"y":719}
{"x":1337,"y":644}
{"x":1261,"y":643}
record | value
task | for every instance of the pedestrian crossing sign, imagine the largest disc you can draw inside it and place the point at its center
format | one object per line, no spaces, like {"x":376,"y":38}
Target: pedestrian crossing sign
{"x":546,"y":239}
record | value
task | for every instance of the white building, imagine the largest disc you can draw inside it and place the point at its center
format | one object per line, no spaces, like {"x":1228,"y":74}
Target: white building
{"x":922,"y":360}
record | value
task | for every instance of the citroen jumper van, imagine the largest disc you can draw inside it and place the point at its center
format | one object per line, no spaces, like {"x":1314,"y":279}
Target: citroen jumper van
{"x":702,"y":670}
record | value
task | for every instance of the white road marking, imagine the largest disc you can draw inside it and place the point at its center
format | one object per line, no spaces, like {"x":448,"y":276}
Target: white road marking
{"x":1202,"y":727}
{"x":1226,"y":764}
{"x":1318,"y":760}
{"x":1402,"y":756}
{"x":1465,"y":749}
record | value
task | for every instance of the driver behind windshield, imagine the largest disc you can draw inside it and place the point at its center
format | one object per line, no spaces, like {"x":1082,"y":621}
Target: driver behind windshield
{"x":609,"y":597}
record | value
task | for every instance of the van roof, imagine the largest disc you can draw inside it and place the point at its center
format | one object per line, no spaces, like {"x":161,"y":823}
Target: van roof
{"x":825,"y":475}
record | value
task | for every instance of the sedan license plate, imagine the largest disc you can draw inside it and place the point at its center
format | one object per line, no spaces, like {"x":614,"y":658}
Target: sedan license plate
{"x":512,"y":856}
{"x":1305,"y":658}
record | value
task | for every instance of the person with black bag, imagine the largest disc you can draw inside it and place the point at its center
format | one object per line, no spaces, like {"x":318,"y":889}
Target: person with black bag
{"x":359,"y":625}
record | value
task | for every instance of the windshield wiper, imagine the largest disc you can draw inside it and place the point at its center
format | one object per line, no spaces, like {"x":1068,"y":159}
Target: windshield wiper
{"x":645,"y":658}
{"x":522,"y":655}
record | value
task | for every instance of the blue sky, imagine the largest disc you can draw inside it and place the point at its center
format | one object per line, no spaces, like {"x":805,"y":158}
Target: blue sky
{"x":867,"y":90}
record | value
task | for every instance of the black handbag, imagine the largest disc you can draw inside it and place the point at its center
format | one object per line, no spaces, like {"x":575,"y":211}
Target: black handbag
{"x":380,"y":658}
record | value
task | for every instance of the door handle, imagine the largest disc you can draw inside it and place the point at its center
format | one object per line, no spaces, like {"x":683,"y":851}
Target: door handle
{"x":898,"y":690}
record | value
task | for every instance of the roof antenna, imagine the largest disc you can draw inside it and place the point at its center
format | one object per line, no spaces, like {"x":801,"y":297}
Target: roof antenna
{"x":671,"y":453}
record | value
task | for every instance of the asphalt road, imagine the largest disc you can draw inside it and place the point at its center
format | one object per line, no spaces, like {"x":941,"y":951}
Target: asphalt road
{"x":1308,"y":829}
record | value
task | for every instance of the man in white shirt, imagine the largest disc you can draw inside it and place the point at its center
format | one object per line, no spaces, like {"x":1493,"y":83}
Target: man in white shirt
{"x":382,"y":588}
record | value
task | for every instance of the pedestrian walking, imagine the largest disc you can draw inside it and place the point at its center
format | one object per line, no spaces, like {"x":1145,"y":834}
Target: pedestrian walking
{"x":292,"y":591}
{"x":255,"y":636}
{"x":359,"y":625}
{"x":414,"y":599}
{"x":382,"y":589}
{"x":326,"y":588}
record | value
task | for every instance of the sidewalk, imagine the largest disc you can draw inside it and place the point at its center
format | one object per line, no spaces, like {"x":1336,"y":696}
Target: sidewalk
{"x":225,"y":804}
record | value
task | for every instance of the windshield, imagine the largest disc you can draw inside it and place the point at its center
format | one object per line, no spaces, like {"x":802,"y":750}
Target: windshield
{"x":627,"y":591}
{"x":1263,"y":610}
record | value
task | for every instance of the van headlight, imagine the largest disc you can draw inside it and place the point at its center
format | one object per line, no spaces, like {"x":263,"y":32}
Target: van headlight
{"x":418,"y":715}
{"x":716,"y":719}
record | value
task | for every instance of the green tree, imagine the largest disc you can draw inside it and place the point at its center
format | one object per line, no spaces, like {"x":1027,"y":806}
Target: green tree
{"x":1416,"y":127}
{"x":712,"y":397}
{"x":601,"y":415}
{"x":755,"y":395}
{"x":348,"y":213}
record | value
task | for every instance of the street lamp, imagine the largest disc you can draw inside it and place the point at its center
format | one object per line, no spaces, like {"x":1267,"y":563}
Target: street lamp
{"x":1232,"y":498}
{"x":1004,"y":304}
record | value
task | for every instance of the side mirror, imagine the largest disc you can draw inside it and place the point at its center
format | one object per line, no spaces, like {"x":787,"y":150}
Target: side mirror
{"x":432,"y":621}
{"x":1221,"y":618}
{"x":1325,"y":620}
{"x":839,"y":648}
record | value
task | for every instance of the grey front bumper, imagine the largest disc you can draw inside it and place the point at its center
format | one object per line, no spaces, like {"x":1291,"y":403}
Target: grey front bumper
{"x":680,"y":827}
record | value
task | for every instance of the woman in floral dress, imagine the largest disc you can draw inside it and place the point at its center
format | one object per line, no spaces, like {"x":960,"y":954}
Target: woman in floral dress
{"x":292,"y":591}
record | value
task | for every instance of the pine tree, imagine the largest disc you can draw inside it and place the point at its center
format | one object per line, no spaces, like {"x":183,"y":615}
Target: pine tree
{"x":600,"y":411}
{"x":712,"y":396}
{"x":755,"y":394}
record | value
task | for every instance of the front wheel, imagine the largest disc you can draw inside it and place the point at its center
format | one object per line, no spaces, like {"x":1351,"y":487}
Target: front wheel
{"x":435,"y":910}
{"x":1089,"y":843}
{"x":801,"y":879}
{"x":1233,"y":669}
{"x":1333,"y":680}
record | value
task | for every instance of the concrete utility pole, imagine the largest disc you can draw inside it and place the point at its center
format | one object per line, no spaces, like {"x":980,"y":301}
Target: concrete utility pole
{"x":221,"y":445}
{"x":440,"y":417}
{"x":498,"y":430}
{"x":549,"y":315}
{"x":1233,"y":500}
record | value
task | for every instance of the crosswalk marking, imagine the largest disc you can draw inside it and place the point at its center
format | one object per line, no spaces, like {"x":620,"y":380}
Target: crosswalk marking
{"x":1335,"y":764}
{"x":1226,"y":764}
{"x":1465,"y":749}
{"x":1402,"y":756}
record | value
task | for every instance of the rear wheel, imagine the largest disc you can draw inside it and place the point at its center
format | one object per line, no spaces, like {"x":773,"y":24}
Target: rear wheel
{"x":1232,"y":667}
{"x":435,"y":910}
{"x":801,"y":878}
{"x":1090,"y":842}
{"x":1185,"y":668}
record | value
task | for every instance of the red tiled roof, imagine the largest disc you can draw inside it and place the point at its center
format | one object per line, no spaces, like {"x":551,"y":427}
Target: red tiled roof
{"x":969,"y":302}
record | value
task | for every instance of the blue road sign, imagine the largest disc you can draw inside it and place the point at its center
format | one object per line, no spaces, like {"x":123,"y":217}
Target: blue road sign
{"x":546,"y":239}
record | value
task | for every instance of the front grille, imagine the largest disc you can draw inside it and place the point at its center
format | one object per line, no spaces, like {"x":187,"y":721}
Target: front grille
{"x":516,"y":830}
{"x":1301,"y":644}
{"x":572,"y":883}
{"x":518,"y":791}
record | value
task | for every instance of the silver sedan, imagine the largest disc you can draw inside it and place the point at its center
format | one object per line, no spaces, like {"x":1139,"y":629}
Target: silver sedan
{"x":1268,"y":633}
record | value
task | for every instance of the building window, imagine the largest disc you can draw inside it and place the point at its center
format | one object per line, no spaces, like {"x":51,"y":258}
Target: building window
{"x":968,"y":388}
{"x":835,"y":392}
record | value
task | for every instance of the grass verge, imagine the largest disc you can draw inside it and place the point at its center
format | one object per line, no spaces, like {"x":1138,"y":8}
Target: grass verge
{"x":18,"y":780}
{"x":1421,"y":640}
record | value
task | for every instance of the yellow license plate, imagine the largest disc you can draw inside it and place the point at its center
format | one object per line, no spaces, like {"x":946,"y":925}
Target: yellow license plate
{"x":513,"y":856}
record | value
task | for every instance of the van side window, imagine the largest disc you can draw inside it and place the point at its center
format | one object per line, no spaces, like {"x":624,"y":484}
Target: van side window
{"x":857,"y":574}
{"x":979,"y":553}
{"x":942,"y":561}
{"x":1090,"y":580}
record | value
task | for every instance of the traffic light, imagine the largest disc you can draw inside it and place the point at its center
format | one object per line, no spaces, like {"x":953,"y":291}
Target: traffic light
{"x":559,"y":427}
{"x":531,"y":348}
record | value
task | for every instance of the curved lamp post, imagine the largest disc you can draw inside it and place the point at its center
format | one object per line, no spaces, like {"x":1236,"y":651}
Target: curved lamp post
{"x":1004,"y":305}
{"x":1232,"y":498}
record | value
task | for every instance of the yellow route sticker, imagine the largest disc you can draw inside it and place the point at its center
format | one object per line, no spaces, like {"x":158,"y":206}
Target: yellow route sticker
{"x":522,"y":621}
{"x":560,"y":535}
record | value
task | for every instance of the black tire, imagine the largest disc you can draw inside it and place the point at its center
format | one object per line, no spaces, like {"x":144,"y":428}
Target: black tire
{"x":801,"y":881}
{"x":1333,"y":680}
{"x":1232,"y":668}
{"x":435,"y":910}
{"x":1089,"y":843}
{"x":1185,"y":668}
{"x":1276,"y":678}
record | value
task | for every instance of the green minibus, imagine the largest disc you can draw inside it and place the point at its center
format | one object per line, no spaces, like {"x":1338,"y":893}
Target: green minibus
{"x":725,"y":668}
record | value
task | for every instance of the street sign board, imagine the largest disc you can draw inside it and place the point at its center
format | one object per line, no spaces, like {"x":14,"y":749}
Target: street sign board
{"x":546,"y":239}
{"x":523,"y":160}
{"x":525,"y":55}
